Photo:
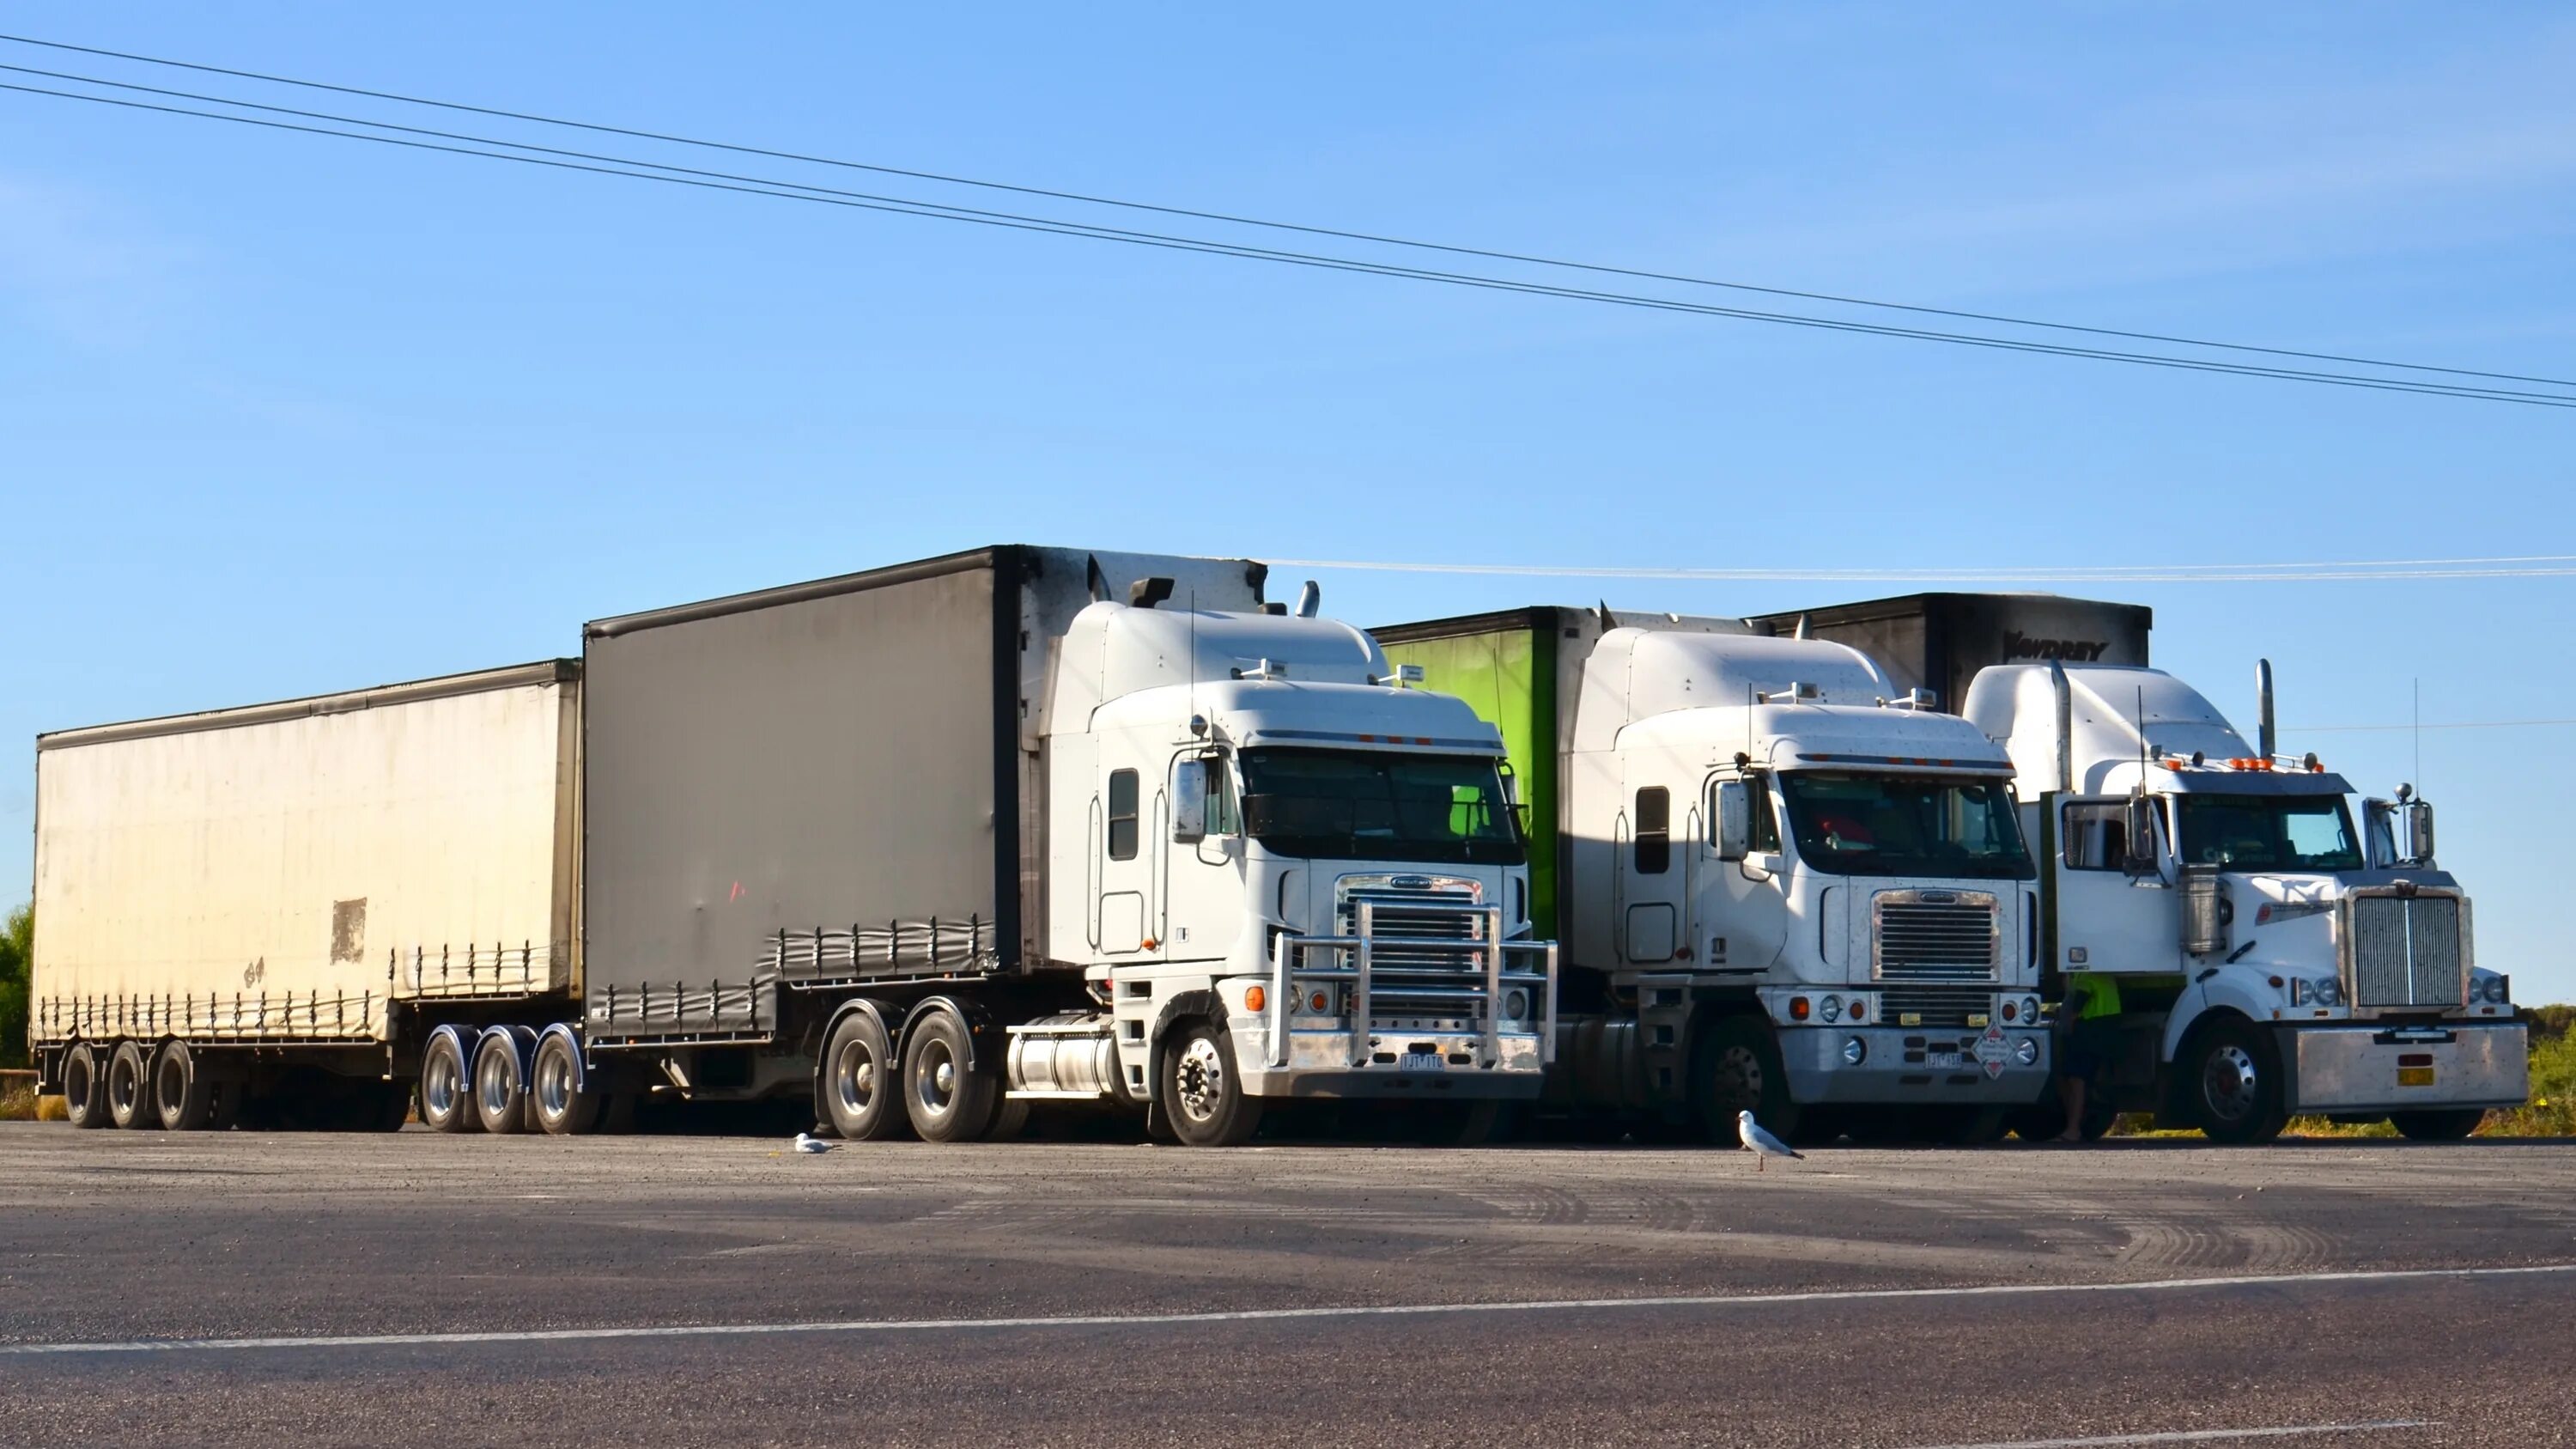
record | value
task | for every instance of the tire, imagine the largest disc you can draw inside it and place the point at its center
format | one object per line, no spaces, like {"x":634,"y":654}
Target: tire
{"x":563,"y":1107}
{"x":1964,"y":1126}
{"x":85,"y":1086}
{"x":857,"y":1084}
{"x":617,"y":1112}
{"x":945,"y":1099}
{"x":182,"y":1092}
{"x":129,"y":1087}
{"x":1737,"y":1068}
{"x":1473,"y":1124}
{"x":500,"y":1085}
{"x":447,"y":1087}
{"x":389,"y":1107}
{"x":2437,"y":1126}
{"x":2234,"y":1083}
{"x":1202,"y":1091}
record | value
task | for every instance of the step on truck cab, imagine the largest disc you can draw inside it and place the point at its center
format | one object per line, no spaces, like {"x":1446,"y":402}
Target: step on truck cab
{"x":1028,"y":825}
{"x":2269,"y":953}
{"x":1783,"y":885}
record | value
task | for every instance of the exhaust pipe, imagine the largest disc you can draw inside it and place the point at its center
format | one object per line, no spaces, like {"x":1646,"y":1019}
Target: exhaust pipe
{"x":2266,"y":732}
{"x":1309,"y":599}
{"x":2065,"y":697}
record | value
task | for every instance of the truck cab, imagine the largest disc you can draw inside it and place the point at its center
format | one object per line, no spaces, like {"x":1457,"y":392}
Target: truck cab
{"x":1284,"y":872}
{"x":2273,"y":953}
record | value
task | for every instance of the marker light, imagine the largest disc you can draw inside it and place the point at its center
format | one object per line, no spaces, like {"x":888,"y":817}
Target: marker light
{"x":2011,"y":1010}
{"x":1797,"y":1008}
{"x":1254,"y":998}
{"x":1859,"y":1008}
{"x":1319,"y":1003}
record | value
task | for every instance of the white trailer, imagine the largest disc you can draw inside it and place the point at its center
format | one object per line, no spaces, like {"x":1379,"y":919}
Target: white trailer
{"x":269,"y":908}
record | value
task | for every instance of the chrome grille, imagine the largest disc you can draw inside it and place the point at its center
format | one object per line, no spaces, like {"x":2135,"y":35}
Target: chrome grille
{"x":1933,"y":1005}
{"x":1935,"y":936}
{"x":2408,"y":951}
{"x":1426,"y":945}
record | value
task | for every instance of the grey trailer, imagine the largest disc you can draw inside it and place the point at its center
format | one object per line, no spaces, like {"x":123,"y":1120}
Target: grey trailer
{"x":1939,"y":641}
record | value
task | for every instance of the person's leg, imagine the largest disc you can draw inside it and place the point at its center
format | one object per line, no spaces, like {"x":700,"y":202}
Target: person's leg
{"x":2070,"y":1089}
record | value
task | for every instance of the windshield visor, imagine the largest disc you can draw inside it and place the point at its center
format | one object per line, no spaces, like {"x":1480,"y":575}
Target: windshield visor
{"x":2268,"y":832}
{"x":1910,"y":825}
{"x":1356,"y":805}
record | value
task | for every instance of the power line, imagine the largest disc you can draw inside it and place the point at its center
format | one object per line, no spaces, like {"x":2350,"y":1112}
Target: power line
{"x":1234,"y":219}
{"x":2533,"y":567}
{"x":903,"y":206}
{"x":2457,"y":724}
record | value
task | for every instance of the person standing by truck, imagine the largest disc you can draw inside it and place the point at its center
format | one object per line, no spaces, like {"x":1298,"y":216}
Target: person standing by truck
{"x":2089,"y":1038}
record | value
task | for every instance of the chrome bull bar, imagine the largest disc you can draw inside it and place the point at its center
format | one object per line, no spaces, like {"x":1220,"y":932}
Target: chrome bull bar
{"x":1494,"y":970}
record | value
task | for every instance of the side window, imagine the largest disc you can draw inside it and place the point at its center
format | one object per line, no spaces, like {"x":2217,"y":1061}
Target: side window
{"x":2096,"y":837}
{"x":1220,"y":799}
{"x":1122,"y":815}
{"x":1766,"y":819}
{"x":1654,"y":830}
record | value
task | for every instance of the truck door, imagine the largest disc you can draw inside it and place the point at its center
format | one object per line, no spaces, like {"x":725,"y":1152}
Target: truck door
{"x":1651,"y":874}
{"x":1743,"y":917}
{"x":1128,"y":861}
{"x":1203,"y":904}
{"x":2106,"y":919}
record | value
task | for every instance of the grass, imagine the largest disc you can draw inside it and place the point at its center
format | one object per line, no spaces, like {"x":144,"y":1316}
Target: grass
{"x":18,"y":1104}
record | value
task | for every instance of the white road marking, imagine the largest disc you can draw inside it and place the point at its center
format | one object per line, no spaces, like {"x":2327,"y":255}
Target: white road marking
{"x":1277,"y":1315}
{"x":2203,"y":1436}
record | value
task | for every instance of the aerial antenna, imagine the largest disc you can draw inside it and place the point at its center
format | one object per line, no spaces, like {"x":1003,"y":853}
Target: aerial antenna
{"x":2419,"y":734}
{"x":2142,"y":739}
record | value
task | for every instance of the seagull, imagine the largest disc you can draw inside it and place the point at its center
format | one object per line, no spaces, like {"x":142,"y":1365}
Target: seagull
{"x":1762,"y":1144}
{"x":808,"y":1142}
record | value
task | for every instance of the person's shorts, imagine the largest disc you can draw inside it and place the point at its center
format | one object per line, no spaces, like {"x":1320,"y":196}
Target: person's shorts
{"x":2089,"y":1050}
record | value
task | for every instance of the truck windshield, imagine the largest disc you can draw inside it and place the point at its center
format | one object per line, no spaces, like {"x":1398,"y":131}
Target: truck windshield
{"x":2268,"y":832}
{"x":1905,"y":825}
{"x":1362,"y":805}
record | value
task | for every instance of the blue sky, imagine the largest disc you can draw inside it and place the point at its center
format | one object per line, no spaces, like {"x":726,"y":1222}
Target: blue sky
{"x":282,"y":414}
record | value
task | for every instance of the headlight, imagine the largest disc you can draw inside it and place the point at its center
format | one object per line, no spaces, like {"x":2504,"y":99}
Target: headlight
{"x":2030,"y":1010}
{"x":2026,"y":1052}
{"x":1516,"y":1004}
{"x":1855,"y":1051}
{"x":1831,"y":1008}
{"x":2491,"y":989}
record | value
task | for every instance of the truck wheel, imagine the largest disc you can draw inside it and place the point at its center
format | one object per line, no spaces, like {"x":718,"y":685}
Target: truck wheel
{"x":129,"y":1086}
{"x":947,"y":1100}
{"x":500,"y":1086}
{"x":1737,"y":1069}
{"x":1203,"y":1094}
{"x":181,"y":1091}
{"x":2235,"y":1084}
{"x":85,"y":1086}
{"x":389,"y":1106}
{"x":446,"y":1098}
{"x":564,"y":1108}
{"x":2447,"y":1126}
{"x":855,"y":1083}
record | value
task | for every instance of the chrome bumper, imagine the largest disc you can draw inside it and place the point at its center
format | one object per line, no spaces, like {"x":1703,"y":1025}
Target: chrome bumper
{"x":2365,"y":1069}
{"x":1819,"y":1073}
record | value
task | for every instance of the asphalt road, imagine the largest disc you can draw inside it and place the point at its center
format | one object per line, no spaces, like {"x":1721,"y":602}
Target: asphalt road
{"x":883,"y":1293}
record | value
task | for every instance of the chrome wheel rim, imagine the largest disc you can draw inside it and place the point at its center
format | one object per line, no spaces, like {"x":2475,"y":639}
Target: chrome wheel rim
{"x":492,"y":1083}
{"x":1199,"y":1079}
{"x":936,"y":1083}
{"x":441,"y":1085}
{"x":2231,"y":1082}
{"x":554,"y":1086}
{"x":854,"y":1078}
{"x":169,"y":1087}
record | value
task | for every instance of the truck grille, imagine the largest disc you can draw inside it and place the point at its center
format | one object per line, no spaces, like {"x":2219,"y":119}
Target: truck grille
{"x":1933,"y":1005}
{"x":1935,"y":936}
{"x":2407,"y":951}
{"x":1426,"y":947}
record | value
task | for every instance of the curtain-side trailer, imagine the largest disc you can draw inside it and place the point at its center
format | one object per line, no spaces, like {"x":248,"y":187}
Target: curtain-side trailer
{"x":267,"y":911}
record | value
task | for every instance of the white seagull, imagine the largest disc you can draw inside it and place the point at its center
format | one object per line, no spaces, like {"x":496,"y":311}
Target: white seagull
{"x":1762,"y":1144}
{"x":808,"y":1142}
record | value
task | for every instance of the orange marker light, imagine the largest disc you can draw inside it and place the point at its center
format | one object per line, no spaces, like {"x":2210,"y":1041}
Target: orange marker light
{"x":1797,"y":1008}
{"x":1254,"y":998}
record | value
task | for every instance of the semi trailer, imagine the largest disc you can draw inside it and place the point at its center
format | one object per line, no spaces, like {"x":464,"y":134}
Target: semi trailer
{"x":1782,"y":883}
{"x":2251,"y":949}
{"x":927,"y":844}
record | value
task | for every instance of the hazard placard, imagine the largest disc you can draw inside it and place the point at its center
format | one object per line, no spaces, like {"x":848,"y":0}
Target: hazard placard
{"x":1992,"y":1052}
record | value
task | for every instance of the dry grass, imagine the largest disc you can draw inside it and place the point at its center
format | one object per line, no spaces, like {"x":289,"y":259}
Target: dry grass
{"x":18,"y":1103}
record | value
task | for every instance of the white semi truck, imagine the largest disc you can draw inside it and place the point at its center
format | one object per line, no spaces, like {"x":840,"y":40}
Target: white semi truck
{"x":1783,"y":883}
{"x":2270,"y":954}
{"x":931,"y":843}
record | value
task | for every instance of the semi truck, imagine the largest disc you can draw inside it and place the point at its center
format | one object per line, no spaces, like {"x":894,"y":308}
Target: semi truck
{"x":1782,"y":883}
{"x":2269,"y":953}
{"x":929,"y":844}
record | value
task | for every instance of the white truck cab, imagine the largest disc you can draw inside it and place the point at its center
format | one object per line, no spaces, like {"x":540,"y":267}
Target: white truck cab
{"x":1260,"y":826}
{"x":2272,"y":954}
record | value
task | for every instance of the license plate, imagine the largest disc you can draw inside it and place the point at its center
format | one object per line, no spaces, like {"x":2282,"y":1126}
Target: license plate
{"x":1943,"y":1059}
{"x":2414,"y":1076}
{"x":1419,"y":1062}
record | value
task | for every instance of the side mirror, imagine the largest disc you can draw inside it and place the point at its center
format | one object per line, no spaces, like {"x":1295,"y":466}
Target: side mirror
{"x":1733,"y":813}
{"x":2415,"y":832}
{"x":1189,"y":801}
{"x":2141,"y":823}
